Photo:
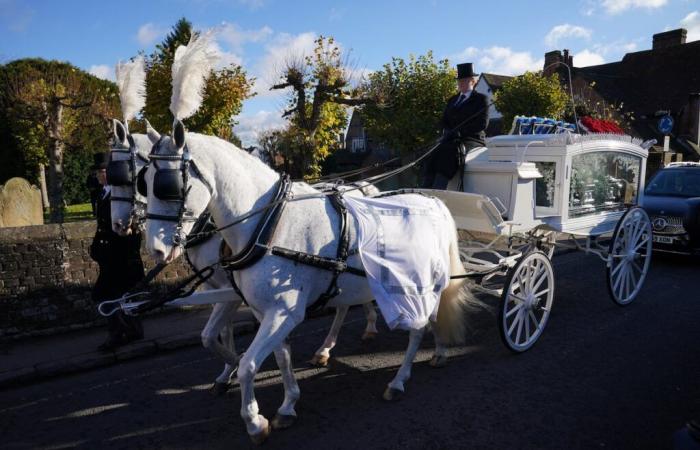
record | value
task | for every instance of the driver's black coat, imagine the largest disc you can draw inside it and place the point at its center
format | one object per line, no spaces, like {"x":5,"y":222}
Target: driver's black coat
{"x":119,"y":257}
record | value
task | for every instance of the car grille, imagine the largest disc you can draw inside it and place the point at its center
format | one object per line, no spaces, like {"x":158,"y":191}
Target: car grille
{"x":667,"y":224}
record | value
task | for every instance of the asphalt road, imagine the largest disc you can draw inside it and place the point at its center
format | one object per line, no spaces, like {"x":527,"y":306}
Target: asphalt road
{"x":601,"y":376}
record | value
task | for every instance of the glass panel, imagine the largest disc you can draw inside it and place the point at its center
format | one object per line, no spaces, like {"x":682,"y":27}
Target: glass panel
{"x":603,"y":181}
{"x":544,"y":187}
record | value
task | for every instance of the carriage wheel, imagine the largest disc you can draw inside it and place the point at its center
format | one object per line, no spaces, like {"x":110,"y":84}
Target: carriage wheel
{"x":629,"y":256}
{"x":526,"y":301}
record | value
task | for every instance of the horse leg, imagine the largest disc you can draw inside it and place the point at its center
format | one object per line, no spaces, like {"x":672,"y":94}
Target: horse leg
{"x":371,"y":328}
{"x":274,"y":329}
{"x":286,"y":415}
{"x":396,"y":387}
{"x":439,"y":358}
{"x":323,"y":354}
{"x":220,"y":323}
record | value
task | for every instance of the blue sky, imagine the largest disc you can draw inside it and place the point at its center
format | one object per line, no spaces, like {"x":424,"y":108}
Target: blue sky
{"x":504,"y":37}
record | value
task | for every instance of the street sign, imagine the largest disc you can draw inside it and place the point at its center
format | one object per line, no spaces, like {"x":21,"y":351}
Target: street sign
{"x":665,"y":124}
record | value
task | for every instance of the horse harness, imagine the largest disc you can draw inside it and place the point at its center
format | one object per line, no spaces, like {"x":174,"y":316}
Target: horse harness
{"x":123,"y":173}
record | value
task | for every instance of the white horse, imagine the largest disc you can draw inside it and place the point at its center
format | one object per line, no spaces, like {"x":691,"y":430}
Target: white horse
{"x":217,"y":335}
{"x":230,"y":183}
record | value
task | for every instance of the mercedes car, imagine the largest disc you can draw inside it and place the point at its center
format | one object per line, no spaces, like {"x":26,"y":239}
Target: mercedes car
{"x":672,"y":200}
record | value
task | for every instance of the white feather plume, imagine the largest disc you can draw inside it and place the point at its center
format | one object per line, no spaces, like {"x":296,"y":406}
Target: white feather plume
{"x":192,"y":66}
{"x":131,"y":81}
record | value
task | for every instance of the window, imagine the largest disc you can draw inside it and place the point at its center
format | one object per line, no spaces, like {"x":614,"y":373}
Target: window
{"x":358,"y":145}
{"x":544,"y":187}
{"x":603,"y":181}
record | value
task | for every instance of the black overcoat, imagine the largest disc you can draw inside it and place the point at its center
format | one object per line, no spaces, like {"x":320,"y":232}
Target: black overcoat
{"x":119,"y":257}
{"x":469,"y":121}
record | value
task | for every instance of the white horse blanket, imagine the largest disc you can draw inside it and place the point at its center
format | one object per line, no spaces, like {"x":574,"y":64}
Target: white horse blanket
{"x":404,"y":243}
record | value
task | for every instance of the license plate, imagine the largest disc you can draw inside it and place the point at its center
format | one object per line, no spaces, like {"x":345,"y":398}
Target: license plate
{"x":663,"y":239}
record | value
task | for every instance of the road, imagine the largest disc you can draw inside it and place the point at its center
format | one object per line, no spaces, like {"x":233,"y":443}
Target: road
{"x":601,"y":376}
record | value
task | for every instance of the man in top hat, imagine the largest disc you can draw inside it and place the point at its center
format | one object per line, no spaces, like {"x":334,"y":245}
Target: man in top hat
{"x":119,"y":259}
{"x":464,"y":122}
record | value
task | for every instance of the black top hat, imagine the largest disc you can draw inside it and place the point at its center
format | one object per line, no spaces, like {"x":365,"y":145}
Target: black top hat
{"x":465,"y":70}
{"x":100,"y":161}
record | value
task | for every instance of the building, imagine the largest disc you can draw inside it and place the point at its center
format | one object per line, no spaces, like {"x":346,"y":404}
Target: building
{"x":645,"y":86}
{"x":489,"y":84}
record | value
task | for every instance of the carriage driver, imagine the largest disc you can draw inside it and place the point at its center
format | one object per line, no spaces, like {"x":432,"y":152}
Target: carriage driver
{"x":464,"y":123}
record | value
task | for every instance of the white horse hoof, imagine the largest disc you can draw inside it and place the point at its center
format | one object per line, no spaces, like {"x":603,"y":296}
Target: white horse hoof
{"x":282,"y":421}
{"x":218,"y":389}
{"x":369,"y":335}
{"x":261,"y":437}
{"x":438,"y":361}
{"x":392,"y":395}
{"x":319,"y":360}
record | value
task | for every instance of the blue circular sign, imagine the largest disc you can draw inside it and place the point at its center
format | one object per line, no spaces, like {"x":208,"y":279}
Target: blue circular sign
{"x":665,"y":124}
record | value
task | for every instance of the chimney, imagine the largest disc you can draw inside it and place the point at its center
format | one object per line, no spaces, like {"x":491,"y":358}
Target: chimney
{"x":669,"y":38}
{"x":550,"y":58}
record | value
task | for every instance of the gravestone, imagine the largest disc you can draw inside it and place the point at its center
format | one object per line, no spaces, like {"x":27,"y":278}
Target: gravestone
{"x":20,"y":204}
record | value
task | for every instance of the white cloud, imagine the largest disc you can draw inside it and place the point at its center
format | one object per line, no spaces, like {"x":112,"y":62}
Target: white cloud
{"x":691,"y":22}
{"x":252,"y":4}
{"x":148,"y":33}
{"x":499,"y":60}
{"x":102,"y":71}
{"x":565,"y":31}
{"x":587,"y":58}
{"x":250,"y":126}
{"x":236,"y":37}
{"x":618,"y":6}
{"x":616,"y":49}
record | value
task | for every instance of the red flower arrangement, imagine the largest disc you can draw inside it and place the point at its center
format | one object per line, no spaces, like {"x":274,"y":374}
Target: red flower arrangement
{"x":600,"y":125}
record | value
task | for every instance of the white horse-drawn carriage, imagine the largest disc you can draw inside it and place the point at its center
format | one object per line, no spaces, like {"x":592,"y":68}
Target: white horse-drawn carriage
{"x":293,"y":246}
{"x":525,"y":195}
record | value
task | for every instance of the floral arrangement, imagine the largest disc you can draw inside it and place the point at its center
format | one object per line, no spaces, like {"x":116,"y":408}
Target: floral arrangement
{"x":592,"y":125}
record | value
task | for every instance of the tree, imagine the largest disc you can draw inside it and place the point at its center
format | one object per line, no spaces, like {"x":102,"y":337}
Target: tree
{"x":320,"y":89}
{"x":530,"y":94}
{"x":56,"y":107}
{"x":224,"y":93}
{"x":410,"y":99}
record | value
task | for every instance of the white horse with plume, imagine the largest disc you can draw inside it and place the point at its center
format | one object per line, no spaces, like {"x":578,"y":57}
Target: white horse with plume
{"x":229,"y":183}
{"x":128,"y":208}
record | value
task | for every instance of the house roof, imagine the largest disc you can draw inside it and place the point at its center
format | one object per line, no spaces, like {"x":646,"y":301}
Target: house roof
{"x":495,"y":81}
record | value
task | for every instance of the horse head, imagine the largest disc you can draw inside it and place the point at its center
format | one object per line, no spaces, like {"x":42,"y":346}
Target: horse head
{"x":177,"y":194}
{"x":127,"y":158}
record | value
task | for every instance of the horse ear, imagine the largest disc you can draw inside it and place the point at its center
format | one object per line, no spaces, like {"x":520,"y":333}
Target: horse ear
{"x":179,"y":134}
{"x":119,"y":132}
{"x":151,"y":132}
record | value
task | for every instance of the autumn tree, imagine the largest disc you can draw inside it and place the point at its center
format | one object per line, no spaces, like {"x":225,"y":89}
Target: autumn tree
{"x":316,"y":113}
{"x":224,"y":93}
{"x":53,"y":109}
{"x":411,"y":99}
{"x":531,"y":94}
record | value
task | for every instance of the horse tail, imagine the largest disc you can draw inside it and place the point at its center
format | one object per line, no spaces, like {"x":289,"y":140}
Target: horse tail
{"x":450,"y":327}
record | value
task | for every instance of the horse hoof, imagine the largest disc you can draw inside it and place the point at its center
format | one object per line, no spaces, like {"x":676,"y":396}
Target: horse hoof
{"x":438,"y":361}
{"x":261,"y":437}
{"x":218,"y":389}
{"x":369,"y":335}
{"x":282,"y":421}
{"x":319,"y":360}
{"x":392,"y":395}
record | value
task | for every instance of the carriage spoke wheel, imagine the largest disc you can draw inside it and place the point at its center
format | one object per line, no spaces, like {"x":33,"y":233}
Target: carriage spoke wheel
{"x":526,"y":301}
{"x":629,"y":256}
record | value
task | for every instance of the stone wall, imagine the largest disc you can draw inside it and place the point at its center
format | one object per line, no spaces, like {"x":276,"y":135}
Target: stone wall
{"x":46,"y":275}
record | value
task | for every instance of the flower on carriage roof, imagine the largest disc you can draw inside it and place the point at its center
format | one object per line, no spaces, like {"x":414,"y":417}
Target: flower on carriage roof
{"x":592,"y":125}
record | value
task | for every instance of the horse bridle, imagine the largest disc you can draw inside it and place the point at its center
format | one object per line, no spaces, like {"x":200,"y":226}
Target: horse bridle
{"x":171,"y":185}
{"x":123,"y":173}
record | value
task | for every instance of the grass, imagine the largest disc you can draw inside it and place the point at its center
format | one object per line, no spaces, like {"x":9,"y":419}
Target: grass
{"x":75,"y":213}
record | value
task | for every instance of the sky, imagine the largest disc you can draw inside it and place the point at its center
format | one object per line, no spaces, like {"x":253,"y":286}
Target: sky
{"x":502,"y":37}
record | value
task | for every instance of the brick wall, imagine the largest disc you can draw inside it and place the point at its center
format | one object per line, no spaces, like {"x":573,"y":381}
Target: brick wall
{"x":46,"y":275}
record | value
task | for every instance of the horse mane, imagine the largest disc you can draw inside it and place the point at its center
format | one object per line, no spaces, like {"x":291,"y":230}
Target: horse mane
{"x":131,"y":81}
{"x":192,"y":65}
